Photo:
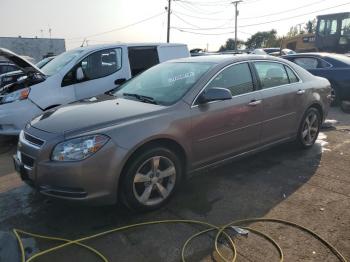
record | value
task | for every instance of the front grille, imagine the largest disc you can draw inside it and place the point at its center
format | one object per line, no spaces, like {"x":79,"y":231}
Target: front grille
{"x":27,"y":160}
{"x":33,"y":140}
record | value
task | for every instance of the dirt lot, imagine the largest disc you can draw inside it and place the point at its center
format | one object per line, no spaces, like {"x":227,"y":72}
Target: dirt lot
{"x":311,"y":188}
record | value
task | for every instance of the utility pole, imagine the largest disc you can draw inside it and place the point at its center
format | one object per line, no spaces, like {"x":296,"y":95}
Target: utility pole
{"x":236,"y":15}
{"x":168,"y":27}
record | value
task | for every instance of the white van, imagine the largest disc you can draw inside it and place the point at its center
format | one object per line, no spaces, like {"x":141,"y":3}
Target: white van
{"x":74,"y":75}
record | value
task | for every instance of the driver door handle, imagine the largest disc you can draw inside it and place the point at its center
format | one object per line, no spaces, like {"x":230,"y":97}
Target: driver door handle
{"x":300,"y":92}
{"x":254,"y":102}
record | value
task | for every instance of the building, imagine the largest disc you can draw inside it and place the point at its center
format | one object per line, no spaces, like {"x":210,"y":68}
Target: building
{"x":36,"y":48}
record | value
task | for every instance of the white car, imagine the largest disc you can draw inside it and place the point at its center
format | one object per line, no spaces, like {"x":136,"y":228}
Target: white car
{"x":75,"y":75}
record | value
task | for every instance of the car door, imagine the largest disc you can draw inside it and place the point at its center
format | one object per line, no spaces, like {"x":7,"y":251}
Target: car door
{"x":223,"y":128}
{"x":100,"y":70}
{"x":281,"y":93}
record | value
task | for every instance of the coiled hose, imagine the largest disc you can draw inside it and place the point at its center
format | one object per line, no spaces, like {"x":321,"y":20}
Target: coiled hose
{"x":221,"y":231}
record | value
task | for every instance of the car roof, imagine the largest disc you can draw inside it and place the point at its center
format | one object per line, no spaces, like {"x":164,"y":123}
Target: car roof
{"x":217,"y":59}
{"x":120,"y":44}
{"x":318,"y":54}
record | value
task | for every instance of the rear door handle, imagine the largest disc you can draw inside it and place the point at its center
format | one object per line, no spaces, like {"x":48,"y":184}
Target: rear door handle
{"x":300,"y":92}
{"x":254,"y":102}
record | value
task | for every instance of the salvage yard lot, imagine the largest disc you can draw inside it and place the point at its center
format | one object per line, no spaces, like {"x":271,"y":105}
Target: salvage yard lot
{"x":310,"y":187}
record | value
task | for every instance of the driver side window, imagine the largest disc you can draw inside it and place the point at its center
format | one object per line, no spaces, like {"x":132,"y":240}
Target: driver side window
{"x":236,"y":78}
{"x":96,"y":65}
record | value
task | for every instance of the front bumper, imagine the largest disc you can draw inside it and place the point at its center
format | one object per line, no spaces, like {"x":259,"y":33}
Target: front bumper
{"x":15,"y":115}
{"x":93,"y":180}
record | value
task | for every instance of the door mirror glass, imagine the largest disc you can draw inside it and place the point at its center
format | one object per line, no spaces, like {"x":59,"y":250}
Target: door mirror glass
{"x":80,"y":74}
{"x":214,"y":94}
{"x":120,"y":81}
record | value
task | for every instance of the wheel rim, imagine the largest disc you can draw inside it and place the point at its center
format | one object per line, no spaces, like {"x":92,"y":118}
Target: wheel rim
{"x":154,"y":180}
{"x":310,"y":128}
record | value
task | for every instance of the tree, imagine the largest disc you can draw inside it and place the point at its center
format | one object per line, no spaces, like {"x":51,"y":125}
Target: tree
{"x":293,"y":31}
{"x":263,"y":39}
{"x":310,"y":26}
{"x":230,"y":45}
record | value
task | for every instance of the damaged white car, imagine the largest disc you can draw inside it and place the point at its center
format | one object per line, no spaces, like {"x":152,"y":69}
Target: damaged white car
{"x":75,"y":75}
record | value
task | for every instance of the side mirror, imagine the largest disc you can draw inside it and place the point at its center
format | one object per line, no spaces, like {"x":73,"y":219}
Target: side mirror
{"x":120,"y":81}
{"x":79,"y":74}
{"x":214,"y":94}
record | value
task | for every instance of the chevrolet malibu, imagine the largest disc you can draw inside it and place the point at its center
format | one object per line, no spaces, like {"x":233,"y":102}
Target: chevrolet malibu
{"x":137,"y":144}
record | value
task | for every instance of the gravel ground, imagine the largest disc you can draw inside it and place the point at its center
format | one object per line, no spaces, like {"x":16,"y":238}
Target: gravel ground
{"x":310,"y":187}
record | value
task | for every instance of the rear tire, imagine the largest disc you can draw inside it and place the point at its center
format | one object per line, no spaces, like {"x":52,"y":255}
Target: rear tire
{"x":309,"y":128}
{"x":150,"y":179}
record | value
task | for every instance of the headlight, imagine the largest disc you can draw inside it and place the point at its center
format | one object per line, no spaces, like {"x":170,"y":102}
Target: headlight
{"x":17,"y":95}
{"x":78,"y":148}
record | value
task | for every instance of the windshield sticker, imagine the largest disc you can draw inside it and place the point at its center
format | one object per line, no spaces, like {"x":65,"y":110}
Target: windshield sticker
{"x":181,"y":77}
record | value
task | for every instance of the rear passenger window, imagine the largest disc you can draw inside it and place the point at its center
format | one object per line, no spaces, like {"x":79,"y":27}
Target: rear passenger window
{"x":271,"y":74}
{"x":236,"y":78}
{"x":307,"y":62}
{"x":141,"y":58}
{"x":291,"y":75}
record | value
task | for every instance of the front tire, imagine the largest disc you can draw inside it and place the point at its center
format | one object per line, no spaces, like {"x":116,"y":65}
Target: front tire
{"x":309,"y":128}
{"x":150,"y":179}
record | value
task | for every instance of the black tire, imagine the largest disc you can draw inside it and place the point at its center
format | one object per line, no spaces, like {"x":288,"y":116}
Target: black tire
{"x":131,"y":191}
{"x":311,"y":137}
{"x":336,"y":97}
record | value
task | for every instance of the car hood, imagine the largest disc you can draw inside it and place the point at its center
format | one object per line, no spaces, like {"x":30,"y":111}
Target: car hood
{"x":92,"y":114}
{"x":23,"y":64}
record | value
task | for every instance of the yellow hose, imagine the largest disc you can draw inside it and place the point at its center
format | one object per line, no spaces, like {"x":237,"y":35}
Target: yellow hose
{"x":221,"y":231}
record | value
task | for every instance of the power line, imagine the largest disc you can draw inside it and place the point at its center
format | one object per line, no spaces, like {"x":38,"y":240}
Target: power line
{"x":226,"y":3}
{"x":197,"y":33}
{"x":296,"y":16}
{"x":200,"y":28}
{"x":196,"y":9}
{"x":283,"y":12}
{"x":203,"y":18}
{"x":120,"y":28}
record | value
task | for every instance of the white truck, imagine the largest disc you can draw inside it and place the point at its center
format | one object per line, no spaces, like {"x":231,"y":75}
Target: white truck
{"x":75,"y":75}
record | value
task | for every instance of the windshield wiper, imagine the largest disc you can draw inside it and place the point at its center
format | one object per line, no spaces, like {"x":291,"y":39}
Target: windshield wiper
{"x":145,"y":99}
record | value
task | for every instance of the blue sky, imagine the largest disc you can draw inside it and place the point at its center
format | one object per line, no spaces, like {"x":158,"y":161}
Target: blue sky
{"x":75,"y":20}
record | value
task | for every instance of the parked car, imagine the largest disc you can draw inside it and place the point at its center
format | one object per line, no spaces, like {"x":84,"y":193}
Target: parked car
{"x":177,"y":117}
{"x":11,"y":77}
{"x":74,"y":75}
{"x":334,"y":67}
{"x":274,"y":51}
{"x":6,"y":67}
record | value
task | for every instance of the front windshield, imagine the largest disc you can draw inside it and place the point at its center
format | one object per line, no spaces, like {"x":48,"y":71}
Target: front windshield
{"x":59,"y":62}
{"x":165,"y":83}
{"x":43,"y":62}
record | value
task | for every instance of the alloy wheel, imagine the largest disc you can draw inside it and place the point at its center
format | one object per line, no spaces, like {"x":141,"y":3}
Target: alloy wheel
{"x":310,"y":128}
{"x":154,"y":180}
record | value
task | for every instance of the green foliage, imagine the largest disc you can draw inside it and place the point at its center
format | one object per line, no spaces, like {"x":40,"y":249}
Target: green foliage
{"x":230,"y":45}
{"x":310,"y":26}
{"x":263,"y":39}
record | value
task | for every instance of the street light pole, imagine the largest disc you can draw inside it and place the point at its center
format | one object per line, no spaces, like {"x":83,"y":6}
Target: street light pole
{"x":236,"y":15}
{"x":168,"y":27}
